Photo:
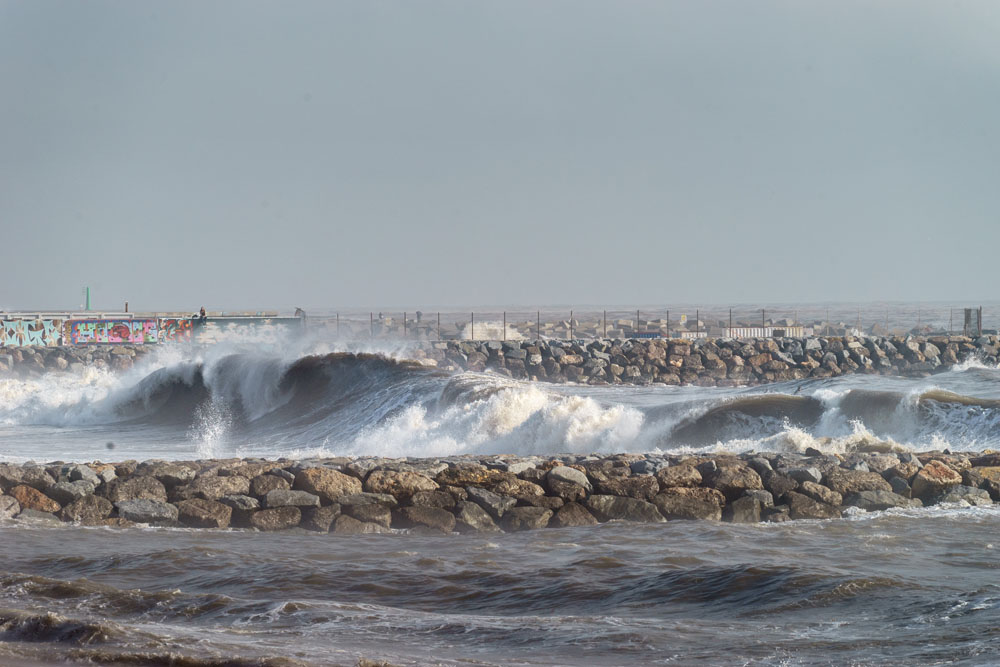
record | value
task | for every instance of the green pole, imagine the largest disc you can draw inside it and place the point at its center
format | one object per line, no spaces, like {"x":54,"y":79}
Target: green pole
{"x":88,"y":298}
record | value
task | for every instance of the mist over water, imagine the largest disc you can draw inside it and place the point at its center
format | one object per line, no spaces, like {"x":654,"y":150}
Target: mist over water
{"x":806,"y":592}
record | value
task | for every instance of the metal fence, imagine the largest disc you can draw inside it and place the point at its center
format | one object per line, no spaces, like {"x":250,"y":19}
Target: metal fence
{"x":683,"y":321}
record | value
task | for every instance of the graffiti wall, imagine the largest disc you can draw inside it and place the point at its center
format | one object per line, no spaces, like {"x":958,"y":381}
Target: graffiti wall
{"x":53,"y":332}
{"x":31,"y":332}
{"x":176,"y":329}
{"x":84,"y":332}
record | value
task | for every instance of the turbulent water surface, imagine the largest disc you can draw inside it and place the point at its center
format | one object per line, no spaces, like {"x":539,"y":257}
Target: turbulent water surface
{"x":886,"y":588}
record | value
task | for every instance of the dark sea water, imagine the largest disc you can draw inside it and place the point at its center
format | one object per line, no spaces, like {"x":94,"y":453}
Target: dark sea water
{"x":896,"y":587}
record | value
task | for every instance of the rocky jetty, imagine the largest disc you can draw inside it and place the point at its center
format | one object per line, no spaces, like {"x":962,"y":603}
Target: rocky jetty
{"x":36,"y":359}
{"x":722,"y":362}
{"x":490,"y":494}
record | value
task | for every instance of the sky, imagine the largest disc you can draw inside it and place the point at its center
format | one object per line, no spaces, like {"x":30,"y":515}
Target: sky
{"x":329,"y":154}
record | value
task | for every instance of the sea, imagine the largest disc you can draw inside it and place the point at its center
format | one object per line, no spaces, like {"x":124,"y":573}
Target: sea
{"x":900,"y":587}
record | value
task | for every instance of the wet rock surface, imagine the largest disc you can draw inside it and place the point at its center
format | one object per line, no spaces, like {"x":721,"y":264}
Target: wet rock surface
{"x":470,"y":494}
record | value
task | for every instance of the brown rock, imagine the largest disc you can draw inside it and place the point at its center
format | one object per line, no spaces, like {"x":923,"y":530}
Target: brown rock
{"x":933,"y":479}
{"x":845,"y":481}
{"x":518,"y":488}
{"x":640,"y":487}
{"x":32,"y":499}
{"x":402,"y":485}
{"x":326,"y":483}
{"x":803,"y":507}
{"x":679,"y":475}
{"x":690,"y":503}
{"x":472,"y":474}
{"x":213,"y":487}
{"x":370,"y":513}
{"x":734,"y":481}
{"x":568,"y":491}
{"x":261,"y":485}
{"x":820,"y":493}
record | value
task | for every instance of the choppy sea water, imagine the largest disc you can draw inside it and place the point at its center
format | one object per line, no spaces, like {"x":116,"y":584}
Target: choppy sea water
{"x":898,"y":587}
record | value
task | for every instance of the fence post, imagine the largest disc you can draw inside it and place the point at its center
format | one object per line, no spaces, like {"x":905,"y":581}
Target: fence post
{"x":605,"y":324}
{"x":730,"y":322}
{"x":571,"y":325}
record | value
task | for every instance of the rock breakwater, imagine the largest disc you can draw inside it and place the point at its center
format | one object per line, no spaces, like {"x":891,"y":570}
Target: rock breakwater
{"x":490,"y":494}
{"x":711,"y":362}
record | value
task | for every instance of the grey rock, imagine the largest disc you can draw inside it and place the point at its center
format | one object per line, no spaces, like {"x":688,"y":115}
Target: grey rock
{"x":494,"y":504}
{"x":277,"y":518}
{"x":145,"y":510}
{"x":289,"y":498}
{"x":383,"y":499}
{"x":78,"y":472}
{"x":470,"y":517}
{"x":570,"y":476}
{"x":873,"y":501}
{"x":36,"y":516}
{"x":9,"y":507}
{"x":810,"y":474}
{"x":744,"y":510}
{"x":526,"y":518}
{"x":957,"y":494}
{"x":608,"y":508}
{"x":89,"y":509}
{"x":763,"y":497}
{"x":67,"y":492}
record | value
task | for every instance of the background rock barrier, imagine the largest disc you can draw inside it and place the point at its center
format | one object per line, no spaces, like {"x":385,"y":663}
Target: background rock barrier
{"x":722,"y":362}
{"x":711,"y":362}
{"x":490,"y":494}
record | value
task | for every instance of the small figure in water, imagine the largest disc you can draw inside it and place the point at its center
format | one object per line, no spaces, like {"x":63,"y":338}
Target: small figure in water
{"x":202,"y":316}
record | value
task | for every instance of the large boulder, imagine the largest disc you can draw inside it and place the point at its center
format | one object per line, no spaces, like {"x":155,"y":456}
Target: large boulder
{"x":289,"y":498}
{"x":370,"y":513}
{"x":201,"y":513}
{"x":320,"y":519}
{"x":733,"y":481}
{"x":820,"y":493}
{"x":348,"y":525}
{"x":9,"y":507}
{"x":433,"y":518}
{"x":569,"y":476}
{"x":261,"y":485}
{"x":526,"y":518}
{"x":967,"y":494}
{"x":139,"y":487}
{"x":690,"y":503}
{"x":493,"y":503}
{"x":402,"y":485}
{"x":30,"y":498}
{"x":873,"y":501}
{"x":326,"y":483}
{"x":934,"y":479}
{"x":471,"y":518}
{"x":571,"y":515}
{"x":278,"y":518}
{"x":609,"y":508}
{"x":65,"y":493}
{"x":213,"y":487}
{"x":644,"y":487}
{"x":441,"y":499}
{"x":803,"y":507}
{"x":144,"y":510}
{"x":845,"y":481}
{"x":744,"y":510}
{"x":88,"y":509}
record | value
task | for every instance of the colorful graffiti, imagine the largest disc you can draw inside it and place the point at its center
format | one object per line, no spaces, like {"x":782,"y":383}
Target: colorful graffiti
{"x":47,"y":333}
{"x":86,"y":332}
{"x":176,"y":330}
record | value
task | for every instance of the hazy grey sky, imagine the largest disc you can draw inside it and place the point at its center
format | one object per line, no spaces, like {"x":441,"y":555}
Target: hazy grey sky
{"x":325,"y":154}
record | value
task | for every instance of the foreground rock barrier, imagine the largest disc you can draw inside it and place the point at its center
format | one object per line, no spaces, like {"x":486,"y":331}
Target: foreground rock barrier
{"x":722,"y":362}
{"x":35,"y":360}
{"x":489,"y":494}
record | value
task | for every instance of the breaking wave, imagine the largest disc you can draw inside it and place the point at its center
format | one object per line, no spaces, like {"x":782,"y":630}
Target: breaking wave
{"x":349,"y":403}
